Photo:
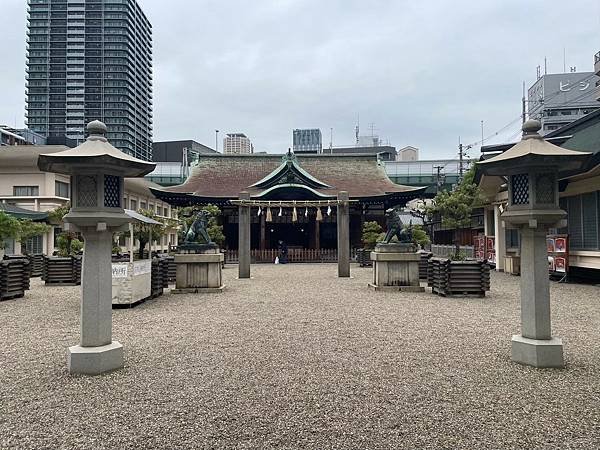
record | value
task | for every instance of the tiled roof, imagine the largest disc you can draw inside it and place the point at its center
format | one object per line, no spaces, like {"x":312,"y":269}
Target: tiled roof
{"x":225,"y":176}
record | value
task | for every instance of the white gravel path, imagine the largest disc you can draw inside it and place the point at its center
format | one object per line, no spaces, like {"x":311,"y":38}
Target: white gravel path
{"x":296,"y":358}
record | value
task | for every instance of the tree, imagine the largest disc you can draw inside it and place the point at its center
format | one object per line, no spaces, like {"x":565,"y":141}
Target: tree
{"x":66,"y":239}
{"x":55,"y":216}
{"x":456,"y":207}
{"x":371,"y":234}
{"x":68,"y":245}
{"x":9,"y":228}
{"x":419,"y":235}
{"x":29,"y":229}
{"x":19,"y":229}
{"x":141,"y":230}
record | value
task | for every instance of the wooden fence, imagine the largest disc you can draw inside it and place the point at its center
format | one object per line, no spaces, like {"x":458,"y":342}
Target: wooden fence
{"x":295,"y":255}
{"x":448,"y":250}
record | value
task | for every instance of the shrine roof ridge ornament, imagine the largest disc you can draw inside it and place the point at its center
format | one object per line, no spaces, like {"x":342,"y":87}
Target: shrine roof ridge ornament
{"x":290,"y":168}
{"x":96,"y":150}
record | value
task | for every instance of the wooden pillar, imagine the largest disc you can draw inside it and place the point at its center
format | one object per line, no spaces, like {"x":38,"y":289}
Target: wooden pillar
{"x":244,"y":238}
{"x":263,"y":227}
{"x":343,"y":235}
{"x":317,"y":234}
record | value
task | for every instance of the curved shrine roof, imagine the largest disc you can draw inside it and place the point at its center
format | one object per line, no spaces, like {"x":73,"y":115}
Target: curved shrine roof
{"x":225,"y":176}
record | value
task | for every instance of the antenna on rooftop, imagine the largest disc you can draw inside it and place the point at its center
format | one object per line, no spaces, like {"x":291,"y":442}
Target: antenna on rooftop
{"x":372,"y":127}
{"x":357,"y":128}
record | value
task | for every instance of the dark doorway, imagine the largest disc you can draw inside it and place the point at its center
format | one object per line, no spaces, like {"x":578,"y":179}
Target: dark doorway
{"x":293,"y":234}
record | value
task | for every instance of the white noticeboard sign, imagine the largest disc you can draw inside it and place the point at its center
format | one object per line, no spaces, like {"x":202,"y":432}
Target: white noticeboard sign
{"x":119,"y":270}
{"x":142,"y":267}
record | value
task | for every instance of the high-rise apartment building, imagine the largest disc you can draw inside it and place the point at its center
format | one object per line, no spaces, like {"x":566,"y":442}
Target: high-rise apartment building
{"x":88,"y":60}
{"x":307,"y":141}
{"x":236,"y":143}
{"x":597,"y":70}
{"x":561,"y":98}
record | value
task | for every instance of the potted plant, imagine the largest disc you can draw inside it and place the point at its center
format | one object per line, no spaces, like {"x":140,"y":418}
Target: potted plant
{"x":457,"y":275}
{"x":65,"y":267}
{"x":27,"y":230}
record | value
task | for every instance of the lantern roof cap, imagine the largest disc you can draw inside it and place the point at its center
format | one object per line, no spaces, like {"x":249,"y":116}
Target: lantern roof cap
{"x":96,"y":151}
{"x":533,"y":150}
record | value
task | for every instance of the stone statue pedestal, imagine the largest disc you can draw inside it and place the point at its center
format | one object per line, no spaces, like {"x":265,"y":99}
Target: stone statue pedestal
{"x":199,"y":269}
{"x":396,"y":268}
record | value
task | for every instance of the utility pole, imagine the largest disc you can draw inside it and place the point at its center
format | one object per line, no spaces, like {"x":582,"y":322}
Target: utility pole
{"x":460,"y":161}
{"x":217,"y":140}
{"x":438,"y":183}
{"x":524,"y":112}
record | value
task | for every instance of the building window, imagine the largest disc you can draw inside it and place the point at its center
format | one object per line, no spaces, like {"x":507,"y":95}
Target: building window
{"x":583,"y":212}
{"x":61,"y":189}
{"x":34,"y":245}
{"x":26,"y":191}
{"x":133,"y":205}
{"x":142,"y":205}
{"x":512,"y":238}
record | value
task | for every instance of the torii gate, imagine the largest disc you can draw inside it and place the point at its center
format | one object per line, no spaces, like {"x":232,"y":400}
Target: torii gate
{"x":343,"y":227}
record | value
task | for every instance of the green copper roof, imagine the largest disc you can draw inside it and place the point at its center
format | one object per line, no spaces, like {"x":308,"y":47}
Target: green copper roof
{"x":291,"y":171}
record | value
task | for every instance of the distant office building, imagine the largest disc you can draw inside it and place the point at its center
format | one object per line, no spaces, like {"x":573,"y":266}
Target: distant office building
{"x":237,"y":143}
{"x":408,"y":153}
{"x":174,"y":151}
{"x":88,"y":60}
{"x":14,"y":136}
{"x":561,"y":98}
{"x":368,"y":141}
{"x":385,"y":152}
{"x":173,"y":160}
{"x":307,"y":141}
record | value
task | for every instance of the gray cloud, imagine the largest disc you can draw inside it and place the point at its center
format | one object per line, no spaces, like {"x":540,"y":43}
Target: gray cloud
{"x":424,"y":72}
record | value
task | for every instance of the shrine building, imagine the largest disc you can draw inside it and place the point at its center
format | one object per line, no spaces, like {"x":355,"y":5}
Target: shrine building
{"x":293,"y":197}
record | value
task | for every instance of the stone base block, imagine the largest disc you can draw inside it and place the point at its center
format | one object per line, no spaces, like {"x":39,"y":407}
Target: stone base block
{"x":397,"y":288}
{"x":198,"y":290}
{"x":198,"y":272}
{"x":95,"y":360}
{"x":396,"y":271}
{"x":537,"y":352}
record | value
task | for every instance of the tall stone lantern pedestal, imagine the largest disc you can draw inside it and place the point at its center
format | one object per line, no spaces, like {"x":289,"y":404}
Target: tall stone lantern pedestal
{"x":533,"y":167}
{"x":97,"y":170}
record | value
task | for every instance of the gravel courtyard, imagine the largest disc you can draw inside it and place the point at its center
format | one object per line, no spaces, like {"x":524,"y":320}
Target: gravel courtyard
{"x":296,"y":358}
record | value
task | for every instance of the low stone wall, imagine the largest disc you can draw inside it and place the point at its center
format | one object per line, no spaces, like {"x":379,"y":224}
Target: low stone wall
{"x":131,"y":282}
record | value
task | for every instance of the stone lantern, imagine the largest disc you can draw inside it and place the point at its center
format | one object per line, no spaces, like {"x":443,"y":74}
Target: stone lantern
{"x":533,"y":167}
{"x":97,"y":170}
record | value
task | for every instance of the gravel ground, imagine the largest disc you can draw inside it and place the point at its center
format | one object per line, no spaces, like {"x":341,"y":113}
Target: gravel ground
{"x":296,"y":358}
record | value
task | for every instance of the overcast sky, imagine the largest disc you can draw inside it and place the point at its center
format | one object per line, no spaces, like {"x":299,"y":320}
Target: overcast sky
{"x":423,"y":72}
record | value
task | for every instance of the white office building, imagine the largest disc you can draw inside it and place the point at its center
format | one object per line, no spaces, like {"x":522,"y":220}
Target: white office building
{"x":237,"y":143}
